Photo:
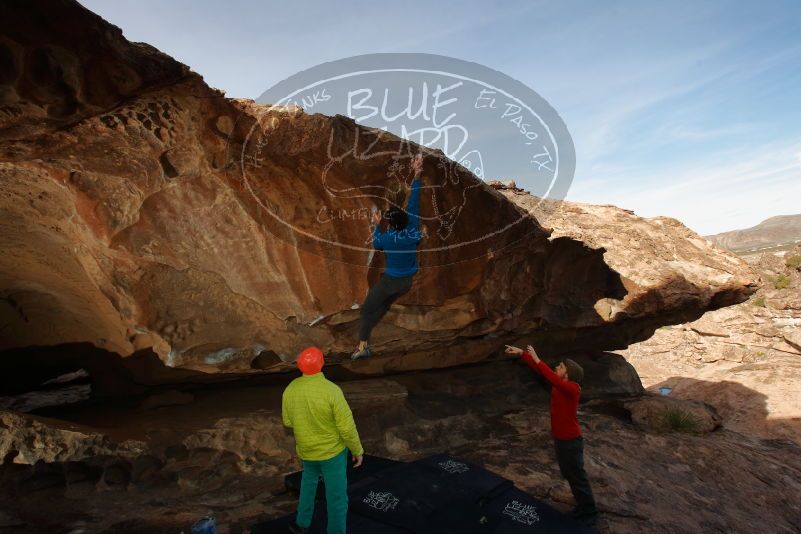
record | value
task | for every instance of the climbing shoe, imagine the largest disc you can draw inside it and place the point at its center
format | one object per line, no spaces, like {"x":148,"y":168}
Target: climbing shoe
{"x":359,"y":354}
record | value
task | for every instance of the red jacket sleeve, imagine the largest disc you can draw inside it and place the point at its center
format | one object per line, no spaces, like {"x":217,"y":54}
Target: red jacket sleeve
{"x":528,"y":360}
{"x":566,"y":386}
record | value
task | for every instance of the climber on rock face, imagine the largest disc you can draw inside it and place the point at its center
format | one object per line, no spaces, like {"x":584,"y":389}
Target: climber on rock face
{"x":399,"y":244}
{"x":317,"y":412}
{"x":565,"y":394}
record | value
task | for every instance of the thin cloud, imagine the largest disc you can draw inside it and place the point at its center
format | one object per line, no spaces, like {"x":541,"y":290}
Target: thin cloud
{"x":732,"y":190}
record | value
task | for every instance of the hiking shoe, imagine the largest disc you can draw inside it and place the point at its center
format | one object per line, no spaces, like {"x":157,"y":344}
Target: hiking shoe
{"x":295,"y":529}
{"x":359,"y":354}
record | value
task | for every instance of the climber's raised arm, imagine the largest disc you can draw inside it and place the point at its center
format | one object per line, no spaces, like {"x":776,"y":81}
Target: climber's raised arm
{"x":378,"y":235}
{"x":413,"y":205}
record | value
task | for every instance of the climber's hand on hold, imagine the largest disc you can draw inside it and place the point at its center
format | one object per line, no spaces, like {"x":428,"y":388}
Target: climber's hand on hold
{"x":513,"y":350}
{"x":417,"y":165}
{"x":533,"y":353}
{"x":357,"y":460}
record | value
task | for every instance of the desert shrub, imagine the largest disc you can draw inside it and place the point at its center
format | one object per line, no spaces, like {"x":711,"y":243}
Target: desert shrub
{"x":758,"y":301}
{"x":780,"y":282}
{"x":794,"y":262}
{"x":677,"y":420}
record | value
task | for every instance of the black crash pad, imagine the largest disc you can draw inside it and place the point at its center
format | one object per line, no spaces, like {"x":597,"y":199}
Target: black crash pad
{"x":516,"y":512}
{"x":428,"y":494}
{"x":438,"y":494}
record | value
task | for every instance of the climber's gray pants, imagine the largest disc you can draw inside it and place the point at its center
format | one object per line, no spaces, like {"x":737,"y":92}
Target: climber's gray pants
{"x":379,"y":299}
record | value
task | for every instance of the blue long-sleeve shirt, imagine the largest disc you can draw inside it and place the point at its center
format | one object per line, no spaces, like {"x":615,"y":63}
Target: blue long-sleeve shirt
{"x":400,"y":246}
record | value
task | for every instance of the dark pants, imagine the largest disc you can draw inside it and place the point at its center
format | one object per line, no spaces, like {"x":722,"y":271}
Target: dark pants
{"x":570,"y":455}
{"x":380,"y":297}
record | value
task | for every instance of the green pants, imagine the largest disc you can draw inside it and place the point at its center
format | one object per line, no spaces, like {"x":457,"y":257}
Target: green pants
{"x":335,"y":475}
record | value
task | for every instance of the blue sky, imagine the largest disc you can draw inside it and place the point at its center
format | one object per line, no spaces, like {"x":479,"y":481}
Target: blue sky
{"x":686,"y":109}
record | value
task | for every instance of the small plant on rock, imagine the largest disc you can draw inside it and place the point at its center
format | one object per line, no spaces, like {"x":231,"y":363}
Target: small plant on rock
{"x":758,"y":301}
{"x":780,"y":282}
{"x":794,"y":262}
{"x":677,"y":420}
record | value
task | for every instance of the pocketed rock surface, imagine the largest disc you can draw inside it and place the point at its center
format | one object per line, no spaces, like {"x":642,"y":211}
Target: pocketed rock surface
{"x":145,"y":212}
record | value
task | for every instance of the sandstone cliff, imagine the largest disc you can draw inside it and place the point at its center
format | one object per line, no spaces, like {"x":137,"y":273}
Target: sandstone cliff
{"x":143,"y":211}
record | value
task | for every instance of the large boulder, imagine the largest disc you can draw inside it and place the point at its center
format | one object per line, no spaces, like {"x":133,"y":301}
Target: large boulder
{"x":743,"y":359}
{"x":144,"y":211}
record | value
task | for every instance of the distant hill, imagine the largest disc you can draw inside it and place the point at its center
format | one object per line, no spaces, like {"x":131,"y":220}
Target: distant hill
{"x":776,"y":232}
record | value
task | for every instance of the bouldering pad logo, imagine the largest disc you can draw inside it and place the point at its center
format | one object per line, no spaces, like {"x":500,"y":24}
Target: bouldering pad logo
{"x":453,"y":467}
{"x":475,"y":123}
{"x":381,"y":500}
{"x":522,"y":513}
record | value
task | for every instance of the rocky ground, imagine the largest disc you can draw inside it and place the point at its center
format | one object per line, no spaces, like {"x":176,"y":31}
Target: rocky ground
{"x":156,"y":466}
